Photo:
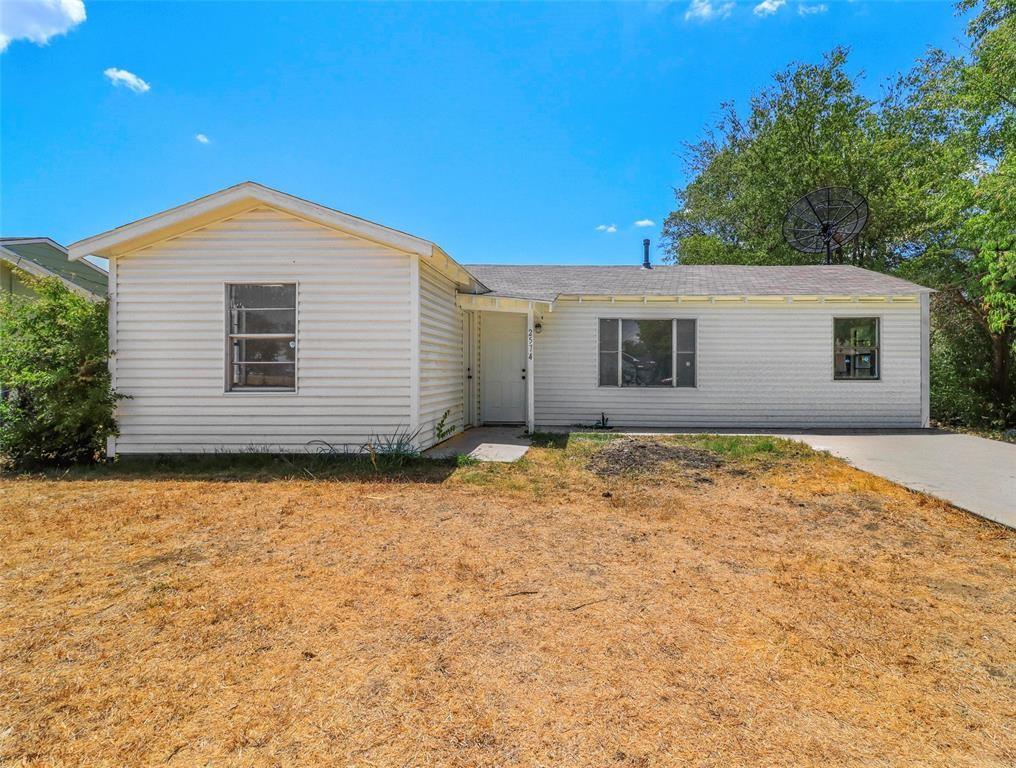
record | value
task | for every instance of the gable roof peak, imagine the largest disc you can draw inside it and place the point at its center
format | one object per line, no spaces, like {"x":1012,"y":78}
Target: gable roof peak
{"x":242,"y":197}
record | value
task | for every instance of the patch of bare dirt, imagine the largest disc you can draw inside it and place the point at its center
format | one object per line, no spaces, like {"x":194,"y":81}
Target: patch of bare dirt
{"x":633,"y":455}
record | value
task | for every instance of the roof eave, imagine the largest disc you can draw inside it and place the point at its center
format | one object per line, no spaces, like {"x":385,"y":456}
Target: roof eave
{"x":4,"y":241}
{"x":773,"y":298}
{"x":461,"y":276}
{"x":486,"y":303}
{"x":23,"y":263}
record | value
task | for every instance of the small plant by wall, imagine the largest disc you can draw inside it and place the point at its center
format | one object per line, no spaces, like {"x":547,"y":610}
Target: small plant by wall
{"x":442,"y":429}
{"x":392,"y":449}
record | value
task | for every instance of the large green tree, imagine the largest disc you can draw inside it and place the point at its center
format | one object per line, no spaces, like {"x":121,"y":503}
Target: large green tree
{"x":810,"y":129}
{"x":973,"y":262}
{"x":933,"y":155}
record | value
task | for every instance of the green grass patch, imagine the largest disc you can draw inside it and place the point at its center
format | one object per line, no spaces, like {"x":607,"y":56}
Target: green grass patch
{"x":603,"y":436}
{"x":747,"y":446}
{"x":258,"y":467}
{"x":740,"y":447}
{"x":728,"y":446}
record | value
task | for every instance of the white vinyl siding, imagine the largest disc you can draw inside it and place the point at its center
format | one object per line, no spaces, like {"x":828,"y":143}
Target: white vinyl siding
{"x":354,"y":337}
{"x":442,"y":385}
{"x":756,"y":366}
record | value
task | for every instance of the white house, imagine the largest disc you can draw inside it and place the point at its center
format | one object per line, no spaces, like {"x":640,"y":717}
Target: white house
{"x":254,"y":318}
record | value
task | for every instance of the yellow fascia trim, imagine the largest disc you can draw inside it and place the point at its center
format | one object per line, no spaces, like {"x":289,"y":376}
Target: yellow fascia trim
{"x":500,"y":303}
{"x":766,"y":299}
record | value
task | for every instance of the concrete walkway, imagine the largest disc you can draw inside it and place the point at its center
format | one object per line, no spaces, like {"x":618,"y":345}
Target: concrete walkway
{"x":974,"y":473}
{"x":504,"y":444}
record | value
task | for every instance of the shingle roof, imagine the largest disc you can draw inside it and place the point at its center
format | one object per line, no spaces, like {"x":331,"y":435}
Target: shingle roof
{"x":546,"y":283}
{"x":53,"y":258}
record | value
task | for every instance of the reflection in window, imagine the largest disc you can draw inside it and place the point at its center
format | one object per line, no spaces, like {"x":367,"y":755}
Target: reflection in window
{"x":856,"y":348}
{"x":261,"y":338}
{"x":643,"y":353}
{"x":646,"y":358}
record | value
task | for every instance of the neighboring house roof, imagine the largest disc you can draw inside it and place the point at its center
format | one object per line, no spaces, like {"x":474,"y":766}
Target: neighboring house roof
{"x":245,"y":197}
{"x":44,"y":257}
{"x":547,"y":283}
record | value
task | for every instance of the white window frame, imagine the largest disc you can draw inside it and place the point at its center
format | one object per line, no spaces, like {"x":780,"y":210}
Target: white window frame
{"x":878,"y":347}
{"x":673,"y":352}
{"x":227,"y":337}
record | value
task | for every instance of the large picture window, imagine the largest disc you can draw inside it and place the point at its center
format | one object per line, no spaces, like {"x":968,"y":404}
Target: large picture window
{"x":856,"y":348}
{"x":261,"y":337}
{"x":647,"y":353}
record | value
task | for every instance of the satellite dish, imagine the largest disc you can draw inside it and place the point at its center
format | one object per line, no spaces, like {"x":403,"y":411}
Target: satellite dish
{"x":825,"y":220}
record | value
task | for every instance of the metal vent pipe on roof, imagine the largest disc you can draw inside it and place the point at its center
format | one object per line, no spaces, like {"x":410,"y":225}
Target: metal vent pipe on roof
{"x":646,"y":264}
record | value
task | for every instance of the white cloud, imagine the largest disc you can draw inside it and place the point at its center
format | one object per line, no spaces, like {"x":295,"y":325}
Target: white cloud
{"x":611,"y":228}
{"x":645,"y":223}
{"x":127,"y":79}
{"x":38,"y":20}
{"x":202,"y":139}
{"x":809,"y":10}
{"x":704,"y":10}
{"x":768,"y":7}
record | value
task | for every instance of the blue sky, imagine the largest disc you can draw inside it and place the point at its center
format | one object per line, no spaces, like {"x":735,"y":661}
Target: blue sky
{"x":503,"y":132}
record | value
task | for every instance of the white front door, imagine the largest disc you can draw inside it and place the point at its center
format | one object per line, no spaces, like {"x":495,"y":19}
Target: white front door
{"x":503,"y":367}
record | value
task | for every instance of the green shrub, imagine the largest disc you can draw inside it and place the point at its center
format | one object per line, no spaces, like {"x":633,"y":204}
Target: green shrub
{"x":57,"y":406}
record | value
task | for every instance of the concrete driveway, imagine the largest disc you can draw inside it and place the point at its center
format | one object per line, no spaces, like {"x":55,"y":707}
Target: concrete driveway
{"x":973,"y":473}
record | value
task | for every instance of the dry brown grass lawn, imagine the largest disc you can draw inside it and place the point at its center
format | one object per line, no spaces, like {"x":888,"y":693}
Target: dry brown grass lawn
{"x":782,"y":609}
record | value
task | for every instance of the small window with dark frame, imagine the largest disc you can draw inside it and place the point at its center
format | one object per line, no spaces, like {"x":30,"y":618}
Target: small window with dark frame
{"x":856,"y":349}
{"x":261,"y":337}
{"x":644,"y":353}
